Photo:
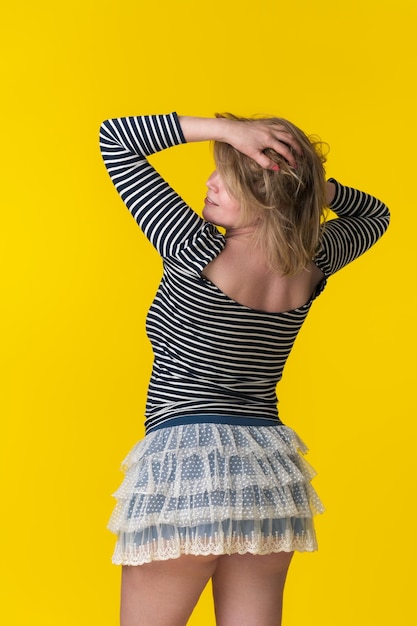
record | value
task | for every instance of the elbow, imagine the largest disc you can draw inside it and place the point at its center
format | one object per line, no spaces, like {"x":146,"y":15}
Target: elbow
{"x":385,"y":217}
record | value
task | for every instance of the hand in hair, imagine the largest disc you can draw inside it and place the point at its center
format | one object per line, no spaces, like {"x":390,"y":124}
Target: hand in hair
{"x":250,"y":138}
{"x":253,"y":138}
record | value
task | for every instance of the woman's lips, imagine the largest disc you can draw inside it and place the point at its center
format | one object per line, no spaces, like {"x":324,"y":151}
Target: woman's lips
{"x":208,"y":201}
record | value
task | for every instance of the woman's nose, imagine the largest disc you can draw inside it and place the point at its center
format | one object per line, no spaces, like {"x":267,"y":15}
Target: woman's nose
{"x":212,"y":182}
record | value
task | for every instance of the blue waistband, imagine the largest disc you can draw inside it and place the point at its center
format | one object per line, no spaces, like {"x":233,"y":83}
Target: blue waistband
{"x":213,"y":418}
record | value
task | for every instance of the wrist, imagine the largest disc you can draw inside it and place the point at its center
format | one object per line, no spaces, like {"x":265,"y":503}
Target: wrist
{"x":330,"y":192}
{"x":204,"y":128}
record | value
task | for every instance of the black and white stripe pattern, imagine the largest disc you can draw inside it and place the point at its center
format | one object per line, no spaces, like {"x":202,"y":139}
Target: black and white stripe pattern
{"x":213,"y":355}
{"x":362,"y":220}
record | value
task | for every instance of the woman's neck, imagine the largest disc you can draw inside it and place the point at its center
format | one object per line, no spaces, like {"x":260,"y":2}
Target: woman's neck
{"x":242,"y":251}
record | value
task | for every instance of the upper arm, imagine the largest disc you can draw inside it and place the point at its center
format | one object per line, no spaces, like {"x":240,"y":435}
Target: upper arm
{"x":161,"y":213}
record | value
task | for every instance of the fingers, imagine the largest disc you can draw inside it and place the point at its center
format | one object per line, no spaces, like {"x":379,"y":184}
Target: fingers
{"x":286,"y":145}
{"x":265,"y":162}
{"x":286,"y":137}
{"x":256,"y":139}
{"x":280,"y":141}
{"x":283,"y":150}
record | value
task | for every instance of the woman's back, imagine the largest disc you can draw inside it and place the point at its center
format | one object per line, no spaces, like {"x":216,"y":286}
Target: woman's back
{"x":243,"y":275}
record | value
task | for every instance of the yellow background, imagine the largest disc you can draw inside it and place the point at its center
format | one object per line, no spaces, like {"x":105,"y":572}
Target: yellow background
{"x":77,"y":277}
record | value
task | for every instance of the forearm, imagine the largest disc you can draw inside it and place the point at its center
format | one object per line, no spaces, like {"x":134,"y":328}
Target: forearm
{"x":251,"y":139}
{"x":361,"y":220}
{"x":353,"y":203}
{"x":330,"y":192}
{"x":138,"y":136}
{"x":205,"y":128}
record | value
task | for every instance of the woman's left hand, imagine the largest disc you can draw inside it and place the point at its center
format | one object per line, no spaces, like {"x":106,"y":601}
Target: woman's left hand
{"x":250,"y":138}
{"x":253,"y":138}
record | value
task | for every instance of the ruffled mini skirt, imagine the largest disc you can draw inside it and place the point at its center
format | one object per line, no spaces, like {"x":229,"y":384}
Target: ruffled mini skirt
{"x":209,"y":488}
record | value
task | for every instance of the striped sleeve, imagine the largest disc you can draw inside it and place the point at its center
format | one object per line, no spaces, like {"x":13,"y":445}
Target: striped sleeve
{"x":125,"y":143}
{"x":361,"y":221}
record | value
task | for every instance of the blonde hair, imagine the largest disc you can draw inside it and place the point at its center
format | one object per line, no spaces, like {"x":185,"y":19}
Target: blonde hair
{"x":291,"y":202}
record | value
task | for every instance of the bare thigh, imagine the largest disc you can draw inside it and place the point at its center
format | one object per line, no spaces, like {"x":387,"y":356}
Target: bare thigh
{"x":164,"y":593}
{"x":248,"y":589}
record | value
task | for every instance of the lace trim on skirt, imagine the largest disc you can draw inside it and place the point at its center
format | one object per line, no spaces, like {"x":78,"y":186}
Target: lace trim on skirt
{"x":214,"y":489}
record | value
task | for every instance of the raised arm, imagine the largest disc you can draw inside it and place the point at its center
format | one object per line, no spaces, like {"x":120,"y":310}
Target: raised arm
{"x":250,"y":139}
{"x":125,"y":144}
{"x":361,"y":221}
{"x":164,"y":217}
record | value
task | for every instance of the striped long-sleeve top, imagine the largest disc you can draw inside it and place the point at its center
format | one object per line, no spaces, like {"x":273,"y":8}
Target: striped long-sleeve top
{"x":212,"y":355}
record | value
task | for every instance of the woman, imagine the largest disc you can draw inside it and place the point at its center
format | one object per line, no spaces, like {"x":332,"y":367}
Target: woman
{"x":218,"y":488}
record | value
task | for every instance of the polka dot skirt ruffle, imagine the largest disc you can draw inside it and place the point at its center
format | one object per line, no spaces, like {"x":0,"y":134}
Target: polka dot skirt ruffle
{"x":214,"y":489}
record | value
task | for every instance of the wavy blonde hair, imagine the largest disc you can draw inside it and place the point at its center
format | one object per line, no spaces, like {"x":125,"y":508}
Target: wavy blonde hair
{"x":290,"y":202}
